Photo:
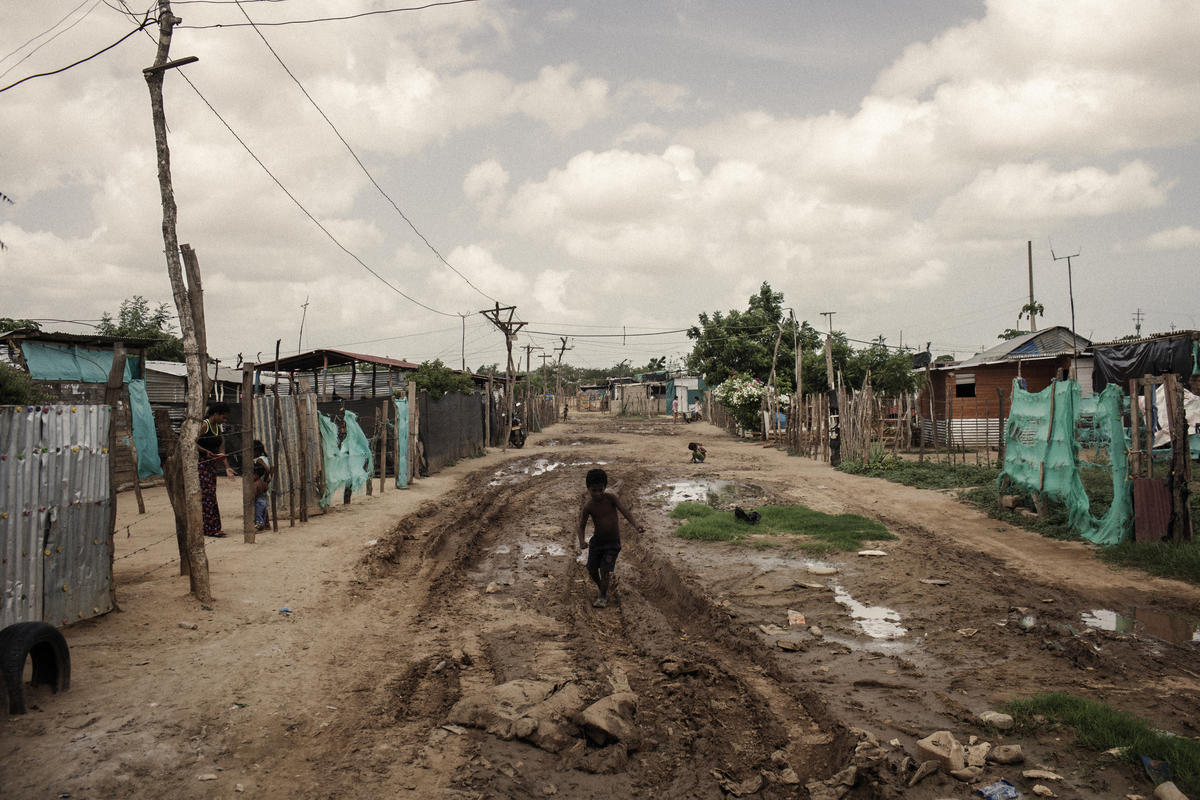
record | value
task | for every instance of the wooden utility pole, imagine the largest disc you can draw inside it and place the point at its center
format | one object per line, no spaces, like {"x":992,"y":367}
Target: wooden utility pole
{"x":509,"y":328}
{"x":197,"y":558}
{"x":248,"y":527}
{"x":529,"y":348}
{"x":1032,"y":304}
{"x":558,"y":390}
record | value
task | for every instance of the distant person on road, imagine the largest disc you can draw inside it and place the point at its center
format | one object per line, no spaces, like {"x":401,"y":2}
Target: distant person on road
{"x":675,"y":410}
{"x":602,"y":506}
{"x":262,"y":482}
{"x":696,"y":411}
{"x":698,"y":452}
{"x":564,"y":412}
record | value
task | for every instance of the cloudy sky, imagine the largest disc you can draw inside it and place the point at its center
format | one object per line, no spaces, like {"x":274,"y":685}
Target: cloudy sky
{"x":609,"y":168}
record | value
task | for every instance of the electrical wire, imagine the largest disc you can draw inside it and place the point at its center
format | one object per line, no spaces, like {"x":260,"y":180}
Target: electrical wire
{"x":306,"y":212}
{"x":331,"y":19}
{"x":354,"y":155}
{"x":25,"y":44}
{"x":145,"y":23}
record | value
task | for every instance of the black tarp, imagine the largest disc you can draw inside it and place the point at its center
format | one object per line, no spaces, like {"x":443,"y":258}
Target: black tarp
{"x":1121,"y":363}
{"x":451,"y":428}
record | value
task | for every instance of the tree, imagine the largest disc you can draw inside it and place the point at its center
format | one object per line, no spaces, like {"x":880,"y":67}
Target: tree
{"x":1031,"y":310}
{"x":439,"y":380}
{"x":4,"y":199}
{"x":136,"y":320}
{"x":17,"y":388}
{"x":10,"y":324}
{"x":743,"y":342}
{"x":1011,"y":333}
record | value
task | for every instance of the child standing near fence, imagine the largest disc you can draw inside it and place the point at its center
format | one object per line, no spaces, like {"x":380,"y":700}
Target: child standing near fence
{"x":262,"y":483}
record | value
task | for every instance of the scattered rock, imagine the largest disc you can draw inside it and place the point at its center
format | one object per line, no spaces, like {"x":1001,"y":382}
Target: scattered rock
{"x":894,"y":742}
{"x":191,"y":626}
{"x":847,"y":777}
{"x":1009,"y":501}
{"x":926,"y":769}
{"x":1168,"y":791}
{"x":439,"y":666}
{"x":772,"y":630}
{"x":237,"y":787}
{"x":788,"y":776}
{"x":549,"y":789}
{"x":457,"y":730}
{"x":1006,"y":754}
{"x":1040,"y":775}
{"x":935,"y":581}
{"x":997,"y":720}
{"x":611,"y":719}
{"x":790,"y":645}
{"x":492,"y":588}
{"x":967,"y":774}
{"x":872,"y":553}
{"x":502,"y":711}
{"x":815,"y":631}
{"x":208,"y":776}
{"x":977,"y":754}
{"x":1043,"y":791}
{"x":739,"y":788}
{"x":813,"y":569}
{"x":943,"y":748}
{"x":968,"y":632}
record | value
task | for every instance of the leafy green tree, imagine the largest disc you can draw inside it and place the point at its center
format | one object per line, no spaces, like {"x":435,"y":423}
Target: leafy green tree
{"x":891,"y":370}
{"x":1031,"y":310}
{"x":1011,"y":333}
{"x":17,"y":388}
{"x":9,"y":324}
{"x":137,"y":320}
{"x":742,"y":342}
{"x":439,"y":380}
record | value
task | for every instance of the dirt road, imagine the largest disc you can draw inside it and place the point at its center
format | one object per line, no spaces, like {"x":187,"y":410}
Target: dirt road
{"x":440,"y":642}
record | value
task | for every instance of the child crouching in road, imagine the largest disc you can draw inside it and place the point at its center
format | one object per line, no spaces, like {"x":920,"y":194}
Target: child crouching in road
{"x":602,"y":506}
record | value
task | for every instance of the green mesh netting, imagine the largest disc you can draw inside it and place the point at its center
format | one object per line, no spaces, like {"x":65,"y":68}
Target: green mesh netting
{"x":346,"y":463}
{"x":144,"y":435}
{"x":1052,"y":434}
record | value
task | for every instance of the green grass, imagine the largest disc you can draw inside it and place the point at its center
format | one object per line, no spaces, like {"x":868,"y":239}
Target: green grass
{"x":1102,"y":727}
{"x":823,"y":533}
{"x":923,"y":474}
{"x":1165,"y":559}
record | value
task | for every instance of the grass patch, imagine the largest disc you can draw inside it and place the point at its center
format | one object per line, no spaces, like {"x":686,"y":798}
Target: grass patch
{"x":1102,"y":727}
{"x":923,"y":474}
{"x":1165,"y":559}
{"x":823,"y":533}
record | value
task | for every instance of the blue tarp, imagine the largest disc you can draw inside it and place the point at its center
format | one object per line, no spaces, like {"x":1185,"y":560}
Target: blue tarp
{"x":402,"y":438}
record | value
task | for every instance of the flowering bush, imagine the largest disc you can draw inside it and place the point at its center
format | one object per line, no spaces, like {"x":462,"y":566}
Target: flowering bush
{"x":742,"y":398}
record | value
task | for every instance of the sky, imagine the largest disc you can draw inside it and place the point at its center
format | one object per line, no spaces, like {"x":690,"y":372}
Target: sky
{"x":612,"y":170}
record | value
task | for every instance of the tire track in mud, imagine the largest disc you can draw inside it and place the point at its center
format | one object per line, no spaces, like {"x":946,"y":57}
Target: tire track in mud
{"x":495,"y":595}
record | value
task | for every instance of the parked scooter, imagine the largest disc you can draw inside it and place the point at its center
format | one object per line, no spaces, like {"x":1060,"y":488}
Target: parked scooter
{"x":516,"y":430}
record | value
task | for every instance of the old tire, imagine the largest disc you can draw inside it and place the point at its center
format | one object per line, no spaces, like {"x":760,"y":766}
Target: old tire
{"x":45,"y":645}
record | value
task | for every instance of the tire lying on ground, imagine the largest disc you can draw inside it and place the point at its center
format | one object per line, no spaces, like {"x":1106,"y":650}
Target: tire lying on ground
{"x":45,"y":646}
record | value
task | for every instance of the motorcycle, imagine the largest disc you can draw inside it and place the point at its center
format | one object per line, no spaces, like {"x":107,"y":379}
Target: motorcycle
{"x":516,"y":432}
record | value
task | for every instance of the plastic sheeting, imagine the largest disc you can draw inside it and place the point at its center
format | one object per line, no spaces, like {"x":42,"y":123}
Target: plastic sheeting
{"x":1121,"y":363}
{"x":1042,"y":453}
{"x":402,"y":438}
{"x":144,"y":436}
{"x":348,"y":462}
{"x":66,"y":362}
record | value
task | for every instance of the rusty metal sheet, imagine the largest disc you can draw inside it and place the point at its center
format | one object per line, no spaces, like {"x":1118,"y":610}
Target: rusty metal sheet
{"x":1151,"y":509}
{"x":55,"y":505}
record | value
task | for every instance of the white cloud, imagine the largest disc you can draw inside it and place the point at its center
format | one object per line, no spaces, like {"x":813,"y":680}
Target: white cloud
{"x":563,"y":104}
{"x":485,"y":185}
{"x":1184,"y":237}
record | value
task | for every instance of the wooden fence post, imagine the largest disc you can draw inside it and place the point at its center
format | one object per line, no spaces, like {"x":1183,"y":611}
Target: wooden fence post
{"x":248,"y":527}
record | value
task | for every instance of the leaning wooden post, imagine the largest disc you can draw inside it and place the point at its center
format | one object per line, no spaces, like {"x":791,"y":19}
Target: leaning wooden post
{"x":1135,"y":438}
{"x":382,"y":425}
{"x":302,"y":443}
{"x":112,"y":399}
{"x":1181,"y":464}
{"x":197,"y":558}
{"x":248,"y":527}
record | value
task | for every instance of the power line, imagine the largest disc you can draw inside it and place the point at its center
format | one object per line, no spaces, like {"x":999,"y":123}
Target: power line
{"x":330,"y":19}
{"x":30,"y":41}
{"x":145,"y":24}
{"x":354,"y":155}
{"x":306,"y":212}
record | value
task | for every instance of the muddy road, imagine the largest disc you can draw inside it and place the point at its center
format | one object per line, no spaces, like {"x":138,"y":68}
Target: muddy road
{"x":460,"y":657}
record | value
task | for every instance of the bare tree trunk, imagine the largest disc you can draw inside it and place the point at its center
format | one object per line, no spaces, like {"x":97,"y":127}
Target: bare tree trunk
{"x":197,"y":558}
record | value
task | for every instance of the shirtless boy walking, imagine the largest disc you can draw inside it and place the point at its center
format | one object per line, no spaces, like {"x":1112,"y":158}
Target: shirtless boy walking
{"x":605,"y":544}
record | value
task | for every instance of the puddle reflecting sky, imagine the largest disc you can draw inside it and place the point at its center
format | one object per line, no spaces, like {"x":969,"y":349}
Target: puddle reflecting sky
{"x":692,"y":491}
{"x":1176,"y":628}
{"x":878,"y":622}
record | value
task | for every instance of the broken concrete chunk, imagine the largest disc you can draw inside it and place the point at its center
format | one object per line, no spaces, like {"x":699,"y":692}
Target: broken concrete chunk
{"x":1040,"y":775}
{"x":739,"y":788}
{"x":977,"y":754}
{"x":788,"y":776}
{"x":872,"y":553}
{"x":1006,"y":754}
{"x":997,"y":720}
{"x":1043,"y":791}
{"x":926,"y":769}
{"x":611,"y":719}
{"x":935,"y":581}
{"x":967,"y":774}
{"x":819,"y":570}
{"x":943,"y":748}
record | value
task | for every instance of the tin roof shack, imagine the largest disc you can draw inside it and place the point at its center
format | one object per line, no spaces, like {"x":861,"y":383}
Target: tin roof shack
{"x":383,"y":375}
{"x":643,"y":396}
{"x":73,"y":369}
{"x":971,"y":397}
{"x":688,"y":388}
{"x":166,"y":387}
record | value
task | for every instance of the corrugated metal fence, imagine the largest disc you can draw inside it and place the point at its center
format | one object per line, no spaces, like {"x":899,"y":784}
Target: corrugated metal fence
{"x":55,"y":508}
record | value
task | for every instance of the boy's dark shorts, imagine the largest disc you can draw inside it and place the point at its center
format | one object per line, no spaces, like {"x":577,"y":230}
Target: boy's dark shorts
{"x":603,"y":556}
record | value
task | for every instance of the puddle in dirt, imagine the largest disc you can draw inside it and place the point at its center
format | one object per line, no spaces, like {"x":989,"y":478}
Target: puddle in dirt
{"x":877,"y":622}
{"x":539,"y":466}
{"x":1175,"y":628}
{"x":535,"y":549}
{"x":697,"y":491}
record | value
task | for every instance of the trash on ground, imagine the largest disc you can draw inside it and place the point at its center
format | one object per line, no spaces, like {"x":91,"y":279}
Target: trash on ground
{"x":874,"y":553}
{"x":1000,"y":790}
{"x":795,"y":619}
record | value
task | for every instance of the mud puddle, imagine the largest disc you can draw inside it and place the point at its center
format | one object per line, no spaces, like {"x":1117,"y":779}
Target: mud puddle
{"x":1165,"y":625}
